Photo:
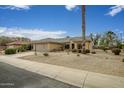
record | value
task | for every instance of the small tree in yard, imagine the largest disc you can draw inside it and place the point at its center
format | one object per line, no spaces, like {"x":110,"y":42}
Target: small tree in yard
{"x":116,"y":51}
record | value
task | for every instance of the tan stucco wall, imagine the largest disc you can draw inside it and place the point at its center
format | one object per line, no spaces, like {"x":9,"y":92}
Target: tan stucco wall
{"x":44,"y":47}
{"x":13,"y":46}
{"x":52,"y":46}
{"x":87,"y":45}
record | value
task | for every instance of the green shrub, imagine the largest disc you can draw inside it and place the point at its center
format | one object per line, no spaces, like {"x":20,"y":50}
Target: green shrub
{"x":74,"y":50}
{"x":21,"y":49}
{"x":104,"y":48}
{"x":119,"y":46}
{"x":79,"y":51}
{"x":25,"y":47}
{"x":87,"y":51}
{"x":116,"y":51}
{"x":123,"y":60}
{"x":30,"y":47}
{"x":84,"y":52}
{"x":93,"y":52}
{"x":53,"y":50}
{"x":45,"y":54}
{"x":78,"y":54}
{"x":10,"y":51}
{"x":123,"y":46}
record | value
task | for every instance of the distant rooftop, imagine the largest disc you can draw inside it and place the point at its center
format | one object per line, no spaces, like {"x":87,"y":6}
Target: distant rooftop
{"x":19,"y":43}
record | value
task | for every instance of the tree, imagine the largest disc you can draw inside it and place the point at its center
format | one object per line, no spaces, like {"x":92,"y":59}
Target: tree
{"x":4,"y":40}
{"x":95,"y":38}
{"x":83,"y":27}
{"x":91,"y":37}
{"x":111,"y":38}
{"x":83,"y":22}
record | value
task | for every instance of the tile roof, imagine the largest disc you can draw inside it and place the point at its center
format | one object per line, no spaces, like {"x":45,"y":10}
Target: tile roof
{"x":18,"y":43}
{"x":60,"y":40}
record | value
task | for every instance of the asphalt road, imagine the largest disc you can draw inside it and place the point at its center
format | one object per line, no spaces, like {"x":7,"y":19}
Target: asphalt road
{"x":13,"y":77}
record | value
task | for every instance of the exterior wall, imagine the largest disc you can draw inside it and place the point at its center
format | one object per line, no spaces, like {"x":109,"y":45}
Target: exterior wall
{"x":87,"y":45}
{"x":10,"y":46}
{"x":3,"y":47}
{"x":41,"y":47}
{"x":52,"y":46}
{"x":13,"y":46}
{"x":45,"y":47}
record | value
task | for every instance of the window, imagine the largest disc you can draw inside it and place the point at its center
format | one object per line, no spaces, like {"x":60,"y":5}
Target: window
{"x":67,"y":46}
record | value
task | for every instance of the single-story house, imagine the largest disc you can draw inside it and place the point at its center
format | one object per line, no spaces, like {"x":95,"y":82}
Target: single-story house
{"x":46,"y":46}
{"x":17,"y":44}
{"x":70,"y":43}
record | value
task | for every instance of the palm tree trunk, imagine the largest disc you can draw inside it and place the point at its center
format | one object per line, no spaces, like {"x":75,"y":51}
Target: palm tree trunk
{"x":83,"y":22}
{"x":83,"y":27}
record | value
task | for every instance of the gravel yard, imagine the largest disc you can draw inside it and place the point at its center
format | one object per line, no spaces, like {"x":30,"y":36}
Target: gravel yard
{"x":101,"y":62}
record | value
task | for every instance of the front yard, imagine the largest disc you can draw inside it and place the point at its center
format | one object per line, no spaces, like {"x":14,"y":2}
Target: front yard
{"x":101,"y":62}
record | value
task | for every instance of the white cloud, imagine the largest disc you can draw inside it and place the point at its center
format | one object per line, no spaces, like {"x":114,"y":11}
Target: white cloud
{"x":115,"y":10}
{"x":16,"y":7}
{"x":70,"y":7}
{"x":33,"y":34}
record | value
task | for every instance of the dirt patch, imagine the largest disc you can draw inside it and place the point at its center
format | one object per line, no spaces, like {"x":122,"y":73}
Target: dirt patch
{"x":102,"y":62}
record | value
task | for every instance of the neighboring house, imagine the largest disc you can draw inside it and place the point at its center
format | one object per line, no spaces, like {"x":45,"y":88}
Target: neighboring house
{"x":71,"y":43}
{"x":17,"y":44}
{"x":2,"y":47}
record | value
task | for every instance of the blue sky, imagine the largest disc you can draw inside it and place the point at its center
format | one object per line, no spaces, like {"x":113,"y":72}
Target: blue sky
{"x":37,"y":22}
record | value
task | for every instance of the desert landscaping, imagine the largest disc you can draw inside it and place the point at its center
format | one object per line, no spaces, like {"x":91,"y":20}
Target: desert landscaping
{"x":71,"y":52}
{"x":101,"y":62}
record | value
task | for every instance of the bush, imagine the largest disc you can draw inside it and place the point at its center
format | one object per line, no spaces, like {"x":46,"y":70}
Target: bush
{"x":119,"y":46}
{"x":78,"y":54}
{"x":53,"y":50}
{"x":116,"y":51}
{"x":74,"y":50}
{"x":83,"y":52}
{"x":79,"y":51}
{"x":45,"y":54}
{"x":123,"y":46}
{"x":93,"y":52}
{"x":87,"y":51}
{"x":21,"y":49}
{"x":104,"y":48}
{"x":123,"y":60}
{"x":29,"y":47}
{"x":25,"y":47}
{"x":10,"y":51}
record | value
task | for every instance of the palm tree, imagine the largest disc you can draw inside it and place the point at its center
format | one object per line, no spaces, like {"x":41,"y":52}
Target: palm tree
{"x":83,"y":22}
{"x":83,"y":27}
{"x":110,"y":36}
